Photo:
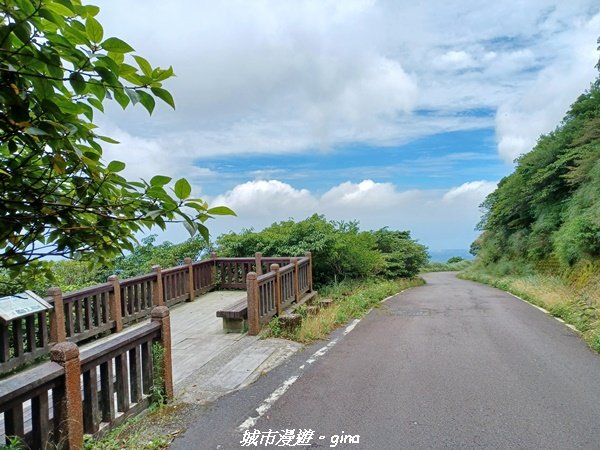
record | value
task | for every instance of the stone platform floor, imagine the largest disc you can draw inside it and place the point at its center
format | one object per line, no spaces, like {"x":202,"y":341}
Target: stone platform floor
{"x":207,"y":362}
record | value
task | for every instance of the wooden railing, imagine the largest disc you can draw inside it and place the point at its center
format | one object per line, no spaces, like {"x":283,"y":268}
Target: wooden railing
{"x":23,"y":340}
{"x":86,"y":312}
{"x":304,"y":275}
{"x":120,"y":368}
{"x":175,"y":282}
{"x":287,"y":281}
{"x":137,"y":297}
{"x":54,"y":403}
{"x":92,"y":312}
{"x":231,"y":272}
{"x":204,"y":279}
{"x":26,"y":401}
{"x":270,"y":294}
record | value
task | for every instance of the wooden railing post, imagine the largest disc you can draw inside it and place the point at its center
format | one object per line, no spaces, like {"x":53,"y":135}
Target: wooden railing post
{"x":258,"y":257}
{"x":275,"y":268}
{"x":160,"y":314}
{"x":213,"y":271}
{"x":190,"y":279}
{"x":294,"y":261}
{"x":158,"y":287}
{"x":57,"y":316}
{"x":68,"y":408}
{"x":310,"y":276}
{"x":253,"y":304}
{"x":114,"y":303}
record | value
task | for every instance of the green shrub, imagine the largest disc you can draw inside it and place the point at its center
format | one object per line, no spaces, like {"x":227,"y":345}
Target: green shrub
{"x":340,"y":250}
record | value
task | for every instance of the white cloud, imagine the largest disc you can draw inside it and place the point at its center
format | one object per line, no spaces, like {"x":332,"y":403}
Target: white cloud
{"x":262,"y":199}
{"x":471,"y":190}
{"x":146,"y":157}
{"x":274,"y":77}
{"x":376,"y":205}
{"x":539,"y":107}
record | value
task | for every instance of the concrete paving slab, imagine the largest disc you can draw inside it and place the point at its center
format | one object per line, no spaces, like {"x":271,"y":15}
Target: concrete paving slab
{"x":239,"y":368}
{"x":207,"y":362}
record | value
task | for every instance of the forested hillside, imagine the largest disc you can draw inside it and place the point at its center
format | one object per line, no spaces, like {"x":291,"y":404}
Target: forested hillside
{"x":546,"y":215}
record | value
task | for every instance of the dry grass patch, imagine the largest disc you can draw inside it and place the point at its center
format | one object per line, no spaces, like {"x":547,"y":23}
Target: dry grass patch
{"x":549,"y":290}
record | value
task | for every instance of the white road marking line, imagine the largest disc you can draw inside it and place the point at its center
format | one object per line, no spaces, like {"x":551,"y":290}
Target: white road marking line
{"x":350,"y":327}
{"x":266,"y":405}
{"x":277,"y":393}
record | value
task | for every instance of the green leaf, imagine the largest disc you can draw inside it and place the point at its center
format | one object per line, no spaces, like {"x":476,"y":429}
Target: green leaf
{"x":96,"y":104}
{"x":113,"y":44}
{"x":203,"y":232}
{"x":182,"y":189}
{"x":59,"y":9}
{"x":115,"y":166}
{"x":190,"y":227}
{"x":221,"y":211}
{"x":159,"y":180}
{"x":147,"y":101}
{"x":77,"y":82}
{"x":162,"y":74}
{"x":133,"y":95}
{"x":144,"y":65}
{"x":23,"y":31}
{"x":108,"y":139}
{"x":153,"y":214}
{"x":197,"y":205}
{"x":107,"y":76}
{"x":91,"y":10}
{"x":94,"y":30}
{"x":164,"y":95}
{"x":35,"y":132}
{"x":121,"y":98}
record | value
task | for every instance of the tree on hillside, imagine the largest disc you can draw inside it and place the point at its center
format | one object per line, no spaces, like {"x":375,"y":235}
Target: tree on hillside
{"x":57,"y":195}
{"x":546,"y":214}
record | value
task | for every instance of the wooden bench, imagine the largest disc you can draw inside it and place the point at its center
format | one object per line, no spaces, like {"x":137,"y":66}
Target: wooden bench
{"x":234,"y":316}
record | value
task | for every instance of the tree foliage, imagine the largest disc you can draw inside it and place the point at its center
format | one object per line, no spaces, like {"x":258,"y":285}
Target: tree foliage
{"x":70,"y":275}
{"x":57,"y":195}
{"x":403,"y":256}
{"x":340,"y":250}
{"x":547,"y":213}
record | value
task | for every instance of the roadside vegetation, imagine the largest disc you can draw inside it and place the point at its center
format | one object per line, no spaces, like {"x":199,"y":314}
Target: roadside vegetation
{"x":70,"y":275}
{"x":340,"y":250}
{"x":152,"y":431}
{"x":454,"y":264}
{"x":352,"y":299}
{"x":541,"y":230}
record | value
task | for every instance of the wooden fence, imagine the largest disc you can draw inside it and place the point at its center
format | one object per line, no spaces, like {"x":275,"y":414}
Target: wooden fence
{"x":54,"y":403}
{"x":273,"y":292}
{"x":96,"y":311}
{"x":57,"y":401}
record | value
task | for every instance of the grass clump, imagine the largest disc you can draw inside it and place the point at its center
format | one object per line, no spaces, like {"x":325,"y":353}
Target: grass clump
{"x":152,"y":431}
{"x":132,"y":435}
{"x":351,"y":300}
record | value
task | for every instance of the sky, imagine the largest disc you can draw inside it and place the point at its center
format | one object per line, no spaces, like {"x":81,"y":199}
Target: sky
{"x":394,"y":113}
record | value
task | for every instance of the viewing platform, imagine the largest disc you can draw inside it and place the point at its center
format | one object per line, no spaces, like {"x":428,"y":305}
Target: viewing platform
{"x":122,"y":340}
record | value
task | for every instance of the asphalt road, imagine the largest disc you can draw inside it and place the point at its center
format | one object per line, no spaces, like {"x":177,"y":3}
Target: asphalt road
{"x":450,"y":365}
